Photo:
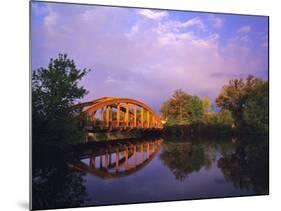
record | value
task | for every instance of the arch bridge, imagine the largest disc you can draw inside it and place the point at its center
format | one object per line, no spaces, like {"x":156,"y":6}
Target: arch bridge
{"x":112,"y":113}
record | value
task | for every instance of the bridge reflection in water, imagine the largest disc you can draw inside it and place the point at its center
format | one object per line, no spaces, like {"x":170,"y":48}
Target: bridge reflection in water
{"x":114,"y":160}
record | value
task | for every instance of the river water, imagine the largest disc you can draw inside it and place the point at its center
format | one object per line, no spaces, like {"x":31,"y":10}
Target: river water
{"x":158,"y":169}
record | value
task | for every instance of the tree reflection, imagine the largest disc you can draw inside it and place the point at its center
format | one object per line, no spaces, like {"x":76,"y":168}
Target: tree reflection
{"x":247,"y":167}
{"x":54,"y":185}
{"x":183,"y":158}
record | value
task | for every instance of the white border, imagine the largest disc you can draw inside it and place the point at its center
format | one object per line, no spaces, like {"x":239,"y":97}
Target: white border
{"x":14,"y":87}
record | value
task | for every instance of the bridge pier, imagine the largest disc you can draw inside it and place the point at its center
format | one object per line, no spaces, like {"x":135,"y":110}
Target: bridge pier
{"x":142,"y":117}
{"x":106,"y":117}
{"x":148,"y":118}
{"x":118,"y":115}
{"x":135,"y":116}
{"x":127,"y":115}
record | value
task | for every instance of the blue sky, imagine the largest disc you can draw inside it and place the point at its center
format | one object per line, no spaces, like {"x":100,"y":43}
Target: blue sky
{"x":146,"y":54}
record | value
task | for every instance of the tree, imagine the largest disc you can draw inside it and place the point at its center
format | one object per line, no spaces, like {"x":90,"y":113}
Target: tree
{"x":256,"y":109}
{"x":208,"y":109}
{"x":54,"y":91}
{"x":207,"y":104}
{"x":234,"y":95}
{"x":182,"y":108}
{"x":173,"y":110}
{"x":223,"y":118}
{"x":194,"y":108}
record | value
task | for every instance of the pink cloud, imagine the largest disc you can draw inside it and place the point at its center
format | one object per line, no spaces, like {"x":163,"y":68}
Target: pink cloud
{"x":153,"y":14}
{"x":244,"y":30}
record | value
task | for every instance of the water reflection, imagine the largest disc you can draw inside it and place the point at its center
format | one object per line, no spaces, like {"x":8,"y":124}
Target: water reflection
{"x":243,"y":161}
{"x":151,"y":170}
{"x":114,"y":160}
{"x":247,"y":166}
{"x":54,"y":185}
{"x":183,"y":158}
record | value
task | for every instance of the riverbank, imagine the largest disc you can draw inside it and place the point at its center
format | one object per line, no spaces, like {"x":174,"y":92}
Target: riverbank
{"x":120,"y":135}
{"x":210,"y":130}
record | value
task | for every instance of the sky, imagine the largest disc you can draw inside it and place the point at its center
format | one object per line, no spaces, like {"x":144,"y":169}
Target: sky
{"x":146,"y":54}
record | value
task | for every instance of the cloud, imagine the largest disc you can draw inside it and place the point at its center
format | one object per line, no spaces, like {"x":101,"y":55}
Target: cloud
{"x":216,"y":21}
{"x":153,"y":14}
{"x":193,"y":22}
{"x":242,"y":36}
{"x":178,"y":27}
{"x":147,"y":58}
{"x":244,"y":30}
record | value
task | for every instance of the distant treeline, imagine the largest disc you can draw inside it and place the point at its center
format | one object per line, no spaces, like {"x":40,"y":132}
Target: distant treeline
{"x":242,"y":103}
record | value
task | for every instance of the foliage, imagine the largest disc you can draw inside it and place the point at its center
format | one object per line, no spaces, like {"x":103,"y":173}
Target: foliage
{"x":208,"y":110}
{"x":207,"y":105}
{"x":182,"y":109}
{"x":247,"y":100}
{"x":54,"y":91}
{"x":223,"y":117}
{"x":256,"y":108}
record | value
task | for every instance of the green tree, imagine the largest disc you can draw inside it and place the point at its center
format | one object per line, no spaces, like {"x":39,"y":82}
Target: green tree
{"x":194,"y":108}
{"x":54,"y":91}
{"x":182,"y":109}
{"x":256,"y":110}
{"x":223,"y":117}
{"x":233,"y":96}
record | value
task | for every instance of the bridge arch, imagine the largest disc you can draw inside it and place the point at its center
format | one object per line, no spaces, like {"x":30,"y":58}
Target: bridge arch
{"x":120,"y":113}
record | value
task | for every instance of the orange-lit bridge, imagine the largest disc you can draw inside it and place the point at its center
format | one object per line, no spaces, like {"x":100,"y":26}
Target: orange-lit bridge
{"x":112,"y":113}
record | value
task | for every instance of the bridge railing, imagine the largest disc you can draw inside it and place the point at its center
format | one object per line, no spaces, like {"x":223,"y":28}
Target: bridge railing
{"x":122,"y":124}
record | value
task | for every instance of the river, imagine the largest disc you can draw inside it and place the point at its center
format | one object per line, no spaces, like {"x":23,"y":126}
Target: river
{"x":150,"y":170}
